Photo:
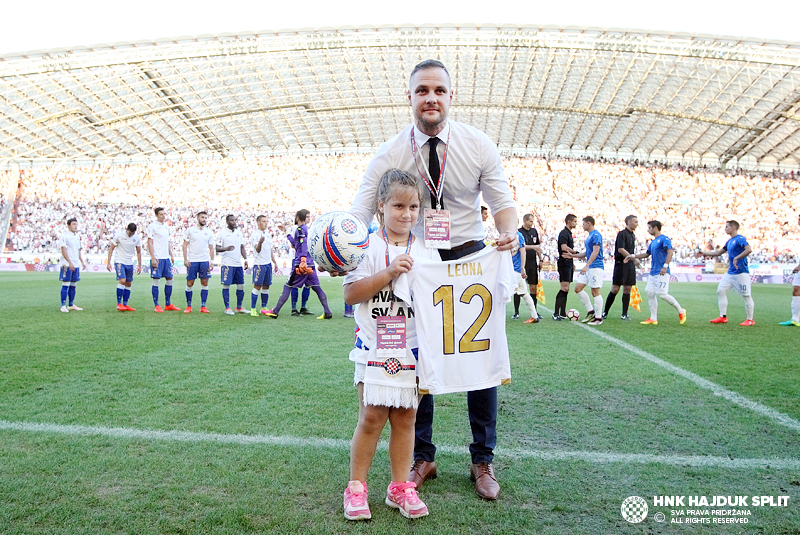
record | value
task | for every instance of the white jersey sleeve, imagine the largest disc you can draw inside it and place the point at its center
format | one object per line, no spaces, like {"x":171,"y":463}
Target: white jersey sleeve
{"x":461,"y":320}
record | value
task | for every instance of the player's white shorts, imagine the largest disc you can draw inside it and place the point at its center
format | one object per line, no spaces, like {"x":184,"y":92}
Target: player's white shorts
{"x":593,"y":278}
{"x":658,"y":284}
{"x":522,"y":285}
{"x":739,"y":282}
{"x":796,"y":280}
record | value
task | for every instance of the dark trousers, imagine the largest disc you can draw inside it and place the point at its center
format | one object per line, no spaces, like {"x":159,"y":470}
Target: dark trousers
{"x":481,"y":407}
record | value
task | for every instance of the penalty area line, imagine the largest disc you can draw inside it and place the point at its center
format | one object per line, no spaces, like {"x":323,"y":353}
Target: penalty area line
{"x":344,"y":445}
{"x":718,"y":390}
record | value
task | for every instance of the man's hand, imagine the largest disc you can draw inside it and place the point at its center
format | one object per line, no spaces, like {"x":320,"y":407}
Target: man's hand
{"x":735,"y":264}
{"x":154,"y":263}
{"x":108,"y":267}
{"x":506,"y":241}
{"x":523,"y":273}
{"x":663,"y":270}
{"x":332,"y":273}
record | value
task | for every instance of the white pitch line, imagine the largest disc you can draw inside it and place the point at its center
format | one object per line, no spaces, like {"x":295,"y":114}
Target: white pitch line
{"x":344,"y":445}
{"x":733,"y":397}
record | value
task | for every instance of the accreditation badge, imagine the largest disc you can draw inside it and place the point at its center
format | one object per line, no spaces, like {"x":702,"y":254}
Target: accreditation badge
{"x":437,"y":229}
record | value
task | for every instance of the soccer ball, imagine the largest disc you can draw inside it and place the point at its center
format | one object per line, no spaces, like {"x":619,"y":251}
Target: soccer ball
{"x":573,"y":314}
{"x":338,"y":241}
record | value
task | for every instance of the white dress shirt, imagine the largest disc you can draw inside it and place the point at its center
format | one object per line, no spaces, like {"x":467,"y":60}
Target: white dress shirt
{"x":473,"y":167}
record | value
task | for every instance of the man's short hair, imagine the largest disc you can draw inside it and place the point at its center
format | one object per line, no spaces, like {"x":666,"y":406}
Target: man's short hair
{"x":429,"y":64}
{"x":654,"y":224}
{"x":570,"y":217}
{"x":589,"y":219}
{"x":259,"y":218}
{"x":230,"y":216}
{"x":484,"y":209}
{"x":301,"y":215}
{"x":131,"y":227}
{"x":733,"y":223}
{"x":201,"y":212}
{"x":527,"y":217}
{"x":157,"y":210}
{"x":71,"y":220}
{"x":628,"y":219}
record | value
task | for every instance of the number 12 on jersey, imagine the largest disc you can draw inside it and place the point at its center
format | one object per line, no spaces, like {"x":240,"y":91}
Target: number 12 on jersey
{"x":467,"y":343}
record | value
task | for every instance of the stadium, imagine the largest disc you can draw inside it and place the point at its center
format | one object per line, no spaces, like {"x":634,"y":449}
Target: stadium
{"x":164,"y":423}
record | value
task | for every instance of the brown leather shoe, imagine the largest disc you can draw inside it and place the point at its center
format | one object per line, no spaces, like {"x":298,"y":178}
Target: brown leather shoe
{"x":486,"y":484}
{"x":422,"y":470}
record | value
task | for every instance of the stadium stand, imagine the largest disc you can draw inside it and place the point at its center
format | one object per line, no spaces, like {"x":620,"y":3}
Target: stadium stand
{"x":692,"y":203}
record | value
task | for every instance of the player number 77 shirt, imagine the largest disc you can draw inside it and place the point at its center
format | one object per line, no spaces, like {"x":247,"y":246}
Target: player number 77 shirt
{"x":461,"y":320}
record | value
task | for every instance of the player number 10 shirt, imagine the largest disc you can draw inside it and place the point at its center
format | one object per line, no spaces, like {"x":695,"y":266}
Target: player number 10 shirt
{"x":461,"y":320}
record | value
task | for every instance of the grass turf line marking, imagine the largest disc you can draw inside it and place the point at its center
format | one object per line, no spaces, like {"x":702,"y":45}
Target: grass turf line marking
{"x":733,"y":397}
{"x":338,"y":444}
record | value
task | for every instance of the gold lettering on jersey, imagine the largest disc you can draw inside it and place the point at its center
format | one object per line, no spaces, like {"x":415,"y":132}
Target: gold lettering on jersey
{"x":464,"y":270}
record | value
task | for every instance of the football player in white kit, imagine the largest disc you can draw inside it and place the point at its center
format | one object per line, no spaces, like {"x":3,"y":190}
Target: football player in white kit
{"x":70,"y":274}
{"x":795,"y":320}
{"x":263,"y":264}
{"x":125,"y":243}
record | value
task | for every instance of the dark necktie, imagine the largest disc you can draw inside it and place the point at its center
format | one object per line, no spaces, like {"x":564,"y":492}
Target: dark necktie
{"x":433,"y":167}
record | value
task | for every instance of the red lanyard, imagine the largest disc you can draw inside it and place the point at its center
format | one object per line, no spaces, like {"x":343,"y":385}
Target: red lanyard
{"x":436,"y":191}
{"x":391,"y":283}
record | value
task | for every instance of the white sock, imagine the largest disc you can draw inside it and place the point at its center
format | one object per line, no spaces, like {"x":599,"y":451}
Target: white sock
{"x":584,"y":297}
{"x":652,"y":300}
{"x":529,"y":303}
{"x":256,"y":292}
{"x":749,"y":306}
{"x":598,"y":306}
{"x":672,"y":301}
{"x":722,"y":301}
{"x":796,"y":308}
{"x":190,"y":289}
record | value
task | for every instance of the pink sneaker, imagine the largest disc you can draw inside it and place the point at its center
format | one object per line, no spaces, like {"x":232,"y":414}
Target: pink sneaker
{"x":355,"y":501}
{"x":403,"y":496}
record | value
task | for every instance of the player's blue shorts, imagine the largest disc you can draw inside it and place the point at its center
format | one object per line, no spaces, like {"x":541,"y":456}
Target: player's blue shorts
{"x":262,"y":275}
{"x":163,"y":270}
{"x":232,"y":275}
{"x":198,"y":269}
{"x":124,"y":271}
{"x":65,"y":275}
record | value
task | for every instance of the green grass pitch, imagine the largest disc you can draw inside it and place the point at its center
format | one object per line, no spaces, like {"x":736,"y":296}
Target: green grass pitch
{"x":255,"y":416}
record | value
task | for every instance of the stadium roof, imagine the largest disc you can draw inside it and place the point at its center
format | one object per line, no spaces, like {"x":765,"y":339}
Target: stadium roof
{"x":545,"y":90}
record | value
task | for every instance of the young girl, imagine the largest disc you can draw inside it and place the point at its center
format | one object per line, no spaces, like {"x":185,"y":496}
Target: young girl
{"x":392,"y":250}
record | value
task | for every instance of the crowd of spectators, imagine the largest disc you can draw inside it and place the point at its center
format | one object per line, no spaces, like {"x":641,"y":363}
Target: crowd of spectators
{"x":692,"y":203}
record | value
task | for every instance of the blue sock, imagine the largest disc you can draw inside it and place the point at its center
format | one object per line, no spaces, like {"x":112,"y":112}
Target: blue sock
{"x":188,"y":292}
{"x":71,"y":294}
{"x":226,"y":297}
{"x":239,"y":298}
{"x":155,"y":294}
{"x":64,"y":291}
{"x":254,"y":299}
{"x":119,"y":293}
{"x":203,"y":296}
{"x":168,"y":292}
{"x":306,"y":293}
{"x":126,"y":294}
{"x":294,"y":298}
{"x":264,"y":298}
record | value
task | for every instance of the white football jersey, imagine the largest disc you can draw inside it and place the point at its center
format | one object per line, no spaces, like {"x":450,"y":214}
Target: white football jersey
{"x":125,"y":247}
{"x":198,"y":239}
{"x":226,"y":238}
{"x":461,"y":321}
{"x":72,"y":242}
{"x":159,"y":233}
{"x":265,"y":256}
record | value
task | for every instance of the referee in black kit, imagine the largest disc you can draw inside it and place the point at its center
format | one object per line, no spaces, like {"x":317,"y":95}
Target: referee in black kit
{"x":533,"y":258}
{"x":624,"y":272}
{"x":566,"y":267}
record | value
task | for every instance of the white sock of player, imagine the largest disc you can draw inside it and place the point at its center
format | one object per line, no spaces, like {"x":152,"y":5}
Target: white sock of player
{"x":652,"y":300}
{"x":796,"y":308}
{"x":672,"y":301}
{"x":598,"y":306}
{"x":749,"y":306}
{"x":529,"y":303}
{"x":584,"y":297}
{"x":722,"y":301}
